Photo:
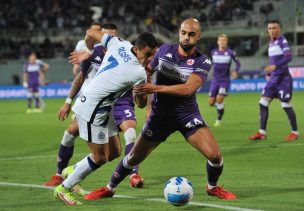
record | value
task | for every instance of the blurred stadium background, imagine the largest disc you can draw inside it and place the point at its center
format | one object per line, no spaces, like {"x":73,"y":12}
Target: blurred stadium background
{"x":52,"y":28}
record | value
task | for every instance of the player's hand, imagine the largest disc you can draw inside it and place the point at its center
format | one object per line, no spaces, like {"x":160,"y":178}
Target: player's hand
{"x":147,"y":88}
{"x":64,"y":111}
{"x":78,"y":56}
{"x":268,"y":69}
{"x":25,"y":85}
{"x":234,"y":75}
{"x":267,"y":77}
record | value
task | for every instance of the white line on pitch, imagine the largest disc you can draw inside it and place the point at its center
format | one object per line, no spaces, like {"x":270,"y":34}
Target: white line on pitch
{"x":134,"y":197}
{"x":158,"y":151}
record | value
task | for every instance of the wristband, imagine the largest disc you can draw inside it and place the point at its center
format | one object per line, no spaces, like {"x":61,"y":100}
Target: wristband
{"x":69,"y":100}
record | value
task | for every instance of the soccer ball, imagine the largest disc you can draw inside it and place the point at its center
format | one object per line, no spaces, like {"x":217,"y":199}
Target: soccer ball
{"x":178,"y":191}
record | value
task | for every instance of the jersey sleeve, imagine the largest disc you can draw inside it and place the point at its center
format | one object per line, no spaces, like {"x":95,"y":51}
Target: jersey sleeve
{"x":80,"y":45}
{"x":202,"y":68}
{"x":286,"y":52}
{"x":236,"y":60}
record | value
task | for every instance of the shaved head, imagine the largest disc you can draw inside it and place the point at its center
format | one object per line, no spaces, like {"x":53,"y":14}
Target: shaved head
{"x":193,"y":23}
{"x":189,"y":34}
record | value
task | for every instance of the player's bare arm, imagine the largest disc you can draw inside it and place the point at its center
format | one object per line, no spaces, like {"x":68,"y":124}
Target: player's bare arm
{"x":45,"y":67}
{"x":64,"y":111}
{"x":193,"y":83}
{"x":92,"y":36}
{"x":140,"y":100}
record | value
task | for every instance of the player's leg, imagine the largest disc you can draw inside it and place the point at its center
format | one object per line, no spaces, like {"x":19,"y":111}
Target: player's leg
{"x":65,"y":152}
{"x":155,"y":131}
{"x":285,"y":96}
{"x":129,"y":132}
{"x":220,"y":109}
{"x":97,"y":138}
{"x":29,"y":96}
{"x":139,"y":152}
{"x":269,"y":92}
{"x":37,"y":98}
{"x":204,"y":141}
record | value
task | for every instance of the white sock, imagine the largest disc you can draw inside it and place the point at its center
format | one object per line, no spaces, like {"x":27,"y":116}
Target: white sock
{"x":210,"y":186}
{"x":81,"y":170}
{"x":68,"y":139}
{"x":295,"y":132}
{"x":262,"y":132}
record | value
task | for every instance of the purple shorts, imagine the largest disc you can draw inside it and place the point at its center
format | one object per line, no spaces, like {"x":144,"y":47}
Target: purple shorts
{"x":219,"y":88}
{"x":281,"y":90}
{"x":158,"y":127}
{"x":122,"y":113}
{"x":33,"y":87}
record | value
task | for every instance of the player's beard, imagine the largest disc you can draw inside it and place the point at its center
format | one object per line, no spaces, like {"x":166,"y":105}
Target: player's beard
{"x":186,"y":47}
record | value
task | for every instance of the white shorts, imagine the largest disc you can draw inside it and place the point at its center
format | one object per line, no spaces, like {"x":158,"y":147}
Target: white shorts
{"x":97,"y":134}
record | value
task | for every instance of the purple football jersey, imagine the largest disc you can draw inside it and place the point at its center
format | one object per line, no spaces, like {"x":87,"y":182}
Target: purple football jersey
{"x":221,"y":64}
{"x":169,"y":112}
{"x":32,"y":70}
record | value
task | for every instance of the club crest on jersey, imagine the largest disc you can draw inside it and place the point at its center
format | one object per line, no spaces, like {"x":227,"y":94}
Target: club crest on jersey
{"x":149,"y":133}
{"x":190,"y":62}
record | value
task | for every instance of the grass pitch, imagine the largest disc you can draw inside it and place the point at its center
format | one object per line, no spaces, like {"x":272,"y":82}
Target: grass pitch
{"x":265,"y":175}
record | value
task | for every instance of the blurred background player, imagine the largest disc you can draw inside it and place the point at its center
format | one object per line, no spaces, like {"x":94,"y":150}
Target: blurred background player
{"x":279,"y":82}
{"x":221,"y":59}
{"x":181,"y":71}
{"x":123,"y":112}
{"x":33,"y":75}
{"x":82,"y":46}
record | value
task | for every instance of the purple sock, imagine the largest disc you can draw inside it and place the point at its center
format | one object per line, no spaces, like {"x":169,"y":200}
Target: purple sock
{"x":292,"y":118}
{"x":263,"y":116}
{"x":64,"y":155}
{"x":29,"y":102}
{"x":127,"y":150}
{"x":213,"y":173}
{"x":120,"y":173}
{"x":220,"y":113}
{"x":37,"y":102}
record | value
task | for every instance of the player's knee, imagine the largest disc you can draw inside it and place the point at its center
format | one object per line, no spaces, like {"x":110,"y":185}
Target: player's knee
{"x":286,"y":105}
{"x":100,"y":159}
{"x":130,"y":136}
{"x":215,"y":157}
{"x":211,"y":102}
{"x":264,"y":102}
{"x":73,"y":129}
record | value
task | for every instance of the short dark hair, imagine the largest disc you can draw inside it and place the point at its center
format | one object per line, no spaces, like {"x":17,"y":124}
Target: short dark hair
{"x":95,"y":24}
{"x":274,"y":21}
{"x":110,"y":26}
{"x":146,"y":39}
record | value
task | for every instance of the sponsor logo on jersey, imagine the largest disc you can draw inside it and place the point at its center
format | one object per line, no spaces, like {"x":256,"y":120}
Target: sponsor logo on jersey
{"x":123,"y":53}
{"x":202,"y":71}
{"x":190,"y":62}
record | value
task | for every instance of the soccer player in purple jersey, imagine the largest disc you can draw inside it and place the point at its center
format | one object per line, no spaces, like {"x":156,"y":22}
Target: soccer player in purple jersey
{"x":181,"y":70}
{"x":33,"y":71}
{"x":123,"y":112}
{"x":221,"y":59}
{"x":279,"y":82}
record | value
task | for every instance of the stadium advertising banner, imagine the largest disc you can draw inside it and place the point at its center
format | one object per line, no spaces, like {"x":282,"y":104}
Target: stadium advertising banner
{"x":62,"y":90}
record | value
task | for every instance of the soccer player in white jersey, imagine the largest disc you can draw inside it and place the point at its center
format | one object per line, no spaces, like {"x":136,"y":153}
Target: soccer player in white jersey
{"x":82,"y":46}
{"x":122,"y":68}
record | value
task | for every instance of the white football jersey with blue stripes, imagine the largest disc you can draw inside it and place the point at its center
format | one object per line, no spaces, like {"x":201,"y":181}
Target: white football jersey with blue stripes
{"x":120,"y":71}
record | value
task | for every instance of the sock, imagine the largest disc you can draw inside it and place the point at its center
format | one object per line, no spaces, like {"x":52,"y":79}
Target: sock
{"x":127,"y":150}
{"x":220,"y":111}
{"x":263,"y":116}
{"x":29,"y":102}
{"x":213,"y":171}
{"x":37,"y":102}
{"x":81,"y":170}
{"x":64,"y":155}
{"x":292,"y":118}
{"x":121,"y":171}
{"x":130,"y":137}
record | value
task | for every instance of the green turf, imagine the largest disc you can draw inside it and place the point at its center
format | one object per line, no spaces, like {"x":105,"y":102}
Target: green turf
{"x":265,"y":175}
